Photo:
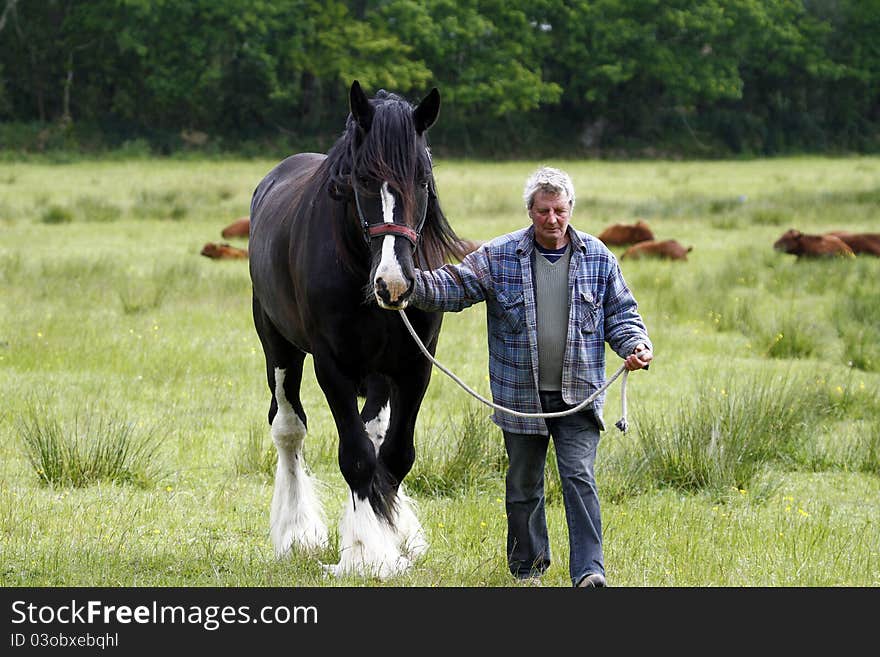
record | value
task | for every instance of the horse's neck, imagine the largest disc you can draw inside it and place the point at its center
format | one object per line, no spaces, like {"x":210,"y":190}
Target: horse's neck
{"x":348,"y":240}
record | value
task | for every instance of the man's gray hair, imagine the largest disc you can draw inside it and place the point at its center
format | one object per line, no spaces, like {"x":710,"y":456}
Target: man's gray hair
{"x":550,"y":180}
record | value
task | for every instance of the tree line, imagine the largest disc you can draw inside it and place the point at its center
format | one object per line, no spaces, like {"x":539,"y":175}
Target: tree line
{"x":517,"y":78}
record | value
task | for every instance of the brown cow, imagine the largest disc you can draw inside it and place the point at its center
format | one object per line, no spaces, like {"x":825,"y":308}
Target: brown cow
{"x":223,"y":252}
{"x":804,"y":245}
{"x":668,"y":249}
{"x":239,"y":228}
{"x":625,"y":234}
{"x":868,"y":243}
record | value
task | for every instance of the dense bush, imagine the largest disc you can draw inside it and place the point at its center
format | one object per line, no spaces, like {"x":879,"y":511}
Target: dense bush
{"x":601,"y":77}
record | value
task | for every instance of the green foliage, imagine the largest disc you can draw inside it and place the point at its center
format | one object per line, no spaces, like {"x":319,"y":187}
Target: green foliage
{"x":463,"y":454}
{"x":256,"y":455}
{"x":137,"y":296}
{"x":855,"y":317}
{"x":724,"y":436}
{"x":700,"y":77}
{"x":481,"y":54}
{"x":94,"y":448}
{"x":55,"y":214}
{"x":161,"y":205}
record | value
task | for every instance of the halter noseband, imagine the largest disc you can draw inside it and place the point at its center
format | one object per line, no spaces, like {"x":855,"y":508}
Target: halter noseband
{"x":388,"y":228}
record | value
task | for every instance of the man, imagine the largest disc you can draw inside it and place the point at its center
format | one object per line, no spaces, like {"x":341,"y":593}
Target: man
{"x":553,"y":297}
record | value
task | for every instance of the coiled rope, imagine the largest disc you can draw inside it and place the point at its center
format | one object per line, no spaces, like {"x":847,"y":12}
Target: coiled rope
{"x":620,"y":424}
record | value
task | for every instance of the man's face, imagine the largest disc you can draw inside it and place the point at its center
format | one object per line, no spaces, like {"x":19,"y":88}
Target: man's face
{"x":550,"y":214}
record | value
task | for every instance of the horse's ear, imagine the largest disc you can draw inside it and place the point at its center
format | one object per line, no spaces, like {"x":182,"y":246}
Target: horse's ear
{"x":360,"y":106}
{"x":426,"y":113}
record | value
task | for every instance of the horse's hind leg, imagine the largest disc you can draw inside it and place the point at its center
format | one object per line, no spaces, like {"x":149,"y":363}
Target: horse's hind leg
{"x":296,"y":518}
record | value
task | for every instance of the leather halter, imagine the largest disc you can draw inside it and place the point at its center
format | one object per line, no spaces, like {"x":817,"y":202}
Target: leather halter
{"x":388,"y":228}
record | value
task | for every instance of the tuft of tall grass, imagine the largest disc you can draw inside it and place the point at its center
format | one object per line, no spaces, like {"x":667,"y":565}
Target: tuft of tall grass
{"x":254,"y":455}
{"x":95,"y":209}
{"x":737,"y":312}
{"x":725,"y":205}
{"x":772,"y":217}
{"x":140,"y":296}
{"x":852,"y":400}
{"x":152,"y":204}
{"x":793,"y":278}
{"x":723,"y":439}
{"x":793,"y":340}
{"x":851,"y":448}
{"x":621,"y":472}
{"x":11,"y":267}
{"x":56,"y":214}
{"x":855,"y":316}
{"x":148,"y":293}
{"x":464,"y":454}
{"x":95,"y":448}
{"x":728,"y":222}
{"x":864,"y":455}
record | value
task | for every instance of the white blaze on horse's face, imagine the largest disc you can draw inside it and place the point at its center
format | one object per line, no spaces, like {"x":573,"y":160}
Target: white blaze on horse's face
{"x":389,"y":273}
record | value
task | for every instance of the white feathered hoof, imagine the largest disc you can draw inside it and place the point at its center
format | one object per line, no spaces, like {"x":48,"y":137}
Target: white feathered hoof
{"x":368,"y":546}
{"x":295,"y":519}
{"x":411,"y":537}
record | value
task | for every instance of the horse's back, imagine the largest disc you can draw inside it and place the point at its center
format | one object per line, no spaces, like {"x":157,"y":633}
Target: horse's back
{"x":273,"y":207}
{"x":273,"y":210}
{"x":286,"y":178}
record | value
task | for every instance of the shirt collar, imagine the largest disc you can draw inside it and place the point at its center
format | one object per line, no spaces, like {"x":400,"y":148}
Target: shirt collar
{"x":527,"y":244}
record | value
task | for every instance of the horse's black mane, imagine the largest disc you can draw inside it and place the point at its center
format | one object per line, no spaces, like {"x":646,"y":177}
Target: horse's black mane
{"x":392,"y":150}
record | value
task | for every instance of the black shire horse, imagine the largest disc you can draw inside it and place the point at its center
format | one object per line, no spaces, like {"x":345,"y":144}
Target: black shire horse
{"x":333,"y":241}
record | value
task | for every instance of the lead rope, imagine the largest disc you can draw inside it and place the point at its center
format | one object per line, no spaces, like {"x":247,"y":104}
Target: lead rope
{"x":620,"y":424}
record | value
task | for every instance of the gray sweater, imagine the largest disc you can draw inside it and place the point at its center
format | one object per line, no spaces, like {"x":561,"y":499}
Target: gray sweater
{"x":551,"y":311}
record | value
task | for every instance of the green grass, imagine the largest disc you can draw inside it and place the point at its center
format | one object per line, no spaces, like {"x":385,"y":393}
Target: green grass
{"x":91,"y":448}
{"x":751,"y":458}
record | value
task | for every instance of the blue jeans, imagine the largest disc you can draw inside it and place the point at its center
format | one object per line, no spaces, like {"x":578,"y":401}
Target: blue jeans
{"x":575,"y":439}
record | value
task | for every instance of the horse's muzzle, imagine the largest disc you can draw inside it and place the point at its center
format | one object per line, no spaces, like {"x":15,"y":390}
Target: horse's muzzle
{"x":392,"y":295}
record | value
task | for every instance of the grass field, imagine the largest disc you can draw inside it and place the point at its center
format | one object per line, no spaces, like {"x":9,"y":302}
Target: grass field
{"x":134,"y":448}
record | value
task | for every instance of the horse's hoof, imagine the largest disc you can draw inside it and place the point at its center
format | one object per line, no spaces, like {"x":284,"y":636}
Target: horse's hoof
{"x":416,"y":545}
{"x":298,"y":540}
{"x":383,"y":570}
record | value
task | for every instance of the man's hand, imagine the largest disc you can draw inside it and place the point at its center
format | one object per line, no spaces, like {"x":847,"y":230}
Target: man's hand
{"x":639,"y":358}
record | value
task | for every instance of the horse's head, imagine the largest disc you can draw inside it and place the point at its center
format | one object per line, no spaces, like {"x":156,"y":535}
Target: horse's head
{"x":391,"y":181}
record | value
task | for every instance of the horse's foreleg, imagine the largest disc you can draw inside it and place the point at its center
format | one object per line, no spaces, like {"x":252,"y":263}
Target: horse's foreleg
{"x":296,"y":517}
{"x":368,"y":543}
{"x":398,"y":455}
{"x":409,"y":535}
{"x":376,"y":412}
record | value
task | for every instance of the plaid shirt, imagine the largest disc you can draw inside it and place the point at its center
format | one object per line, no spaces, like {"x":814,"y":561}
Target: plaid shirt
{"x":500,"y":273}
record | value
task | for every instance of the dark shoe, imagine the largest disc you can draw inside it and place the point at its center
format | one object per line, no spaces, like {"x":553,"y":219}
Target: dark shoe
{"x":591,"y":581}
